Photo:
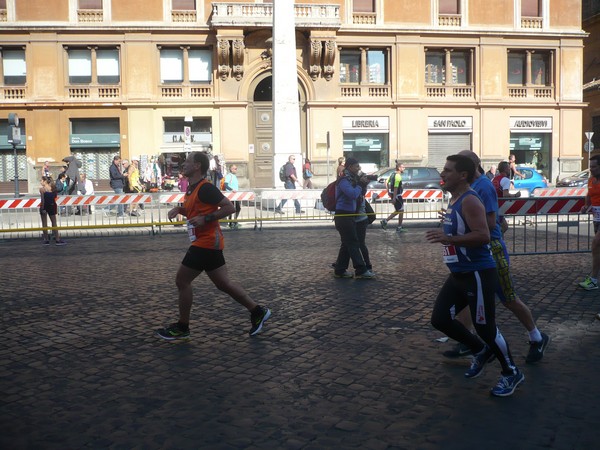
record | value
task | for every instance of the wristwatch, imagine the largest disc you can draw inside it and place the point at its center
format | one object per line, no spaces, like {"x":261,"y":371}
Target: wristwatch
{"x":209,"y":217}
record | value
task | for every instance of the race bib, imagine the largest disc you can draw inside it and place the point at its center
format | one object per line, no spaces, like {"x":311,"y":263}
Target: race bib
{"x":191,"y":231}
{"x":450,"y":255}
{"x":596,"y":212}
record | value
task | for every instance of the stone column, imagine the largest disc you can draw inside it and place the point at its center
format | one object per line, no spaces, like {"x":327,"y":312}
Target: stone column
{"x":286,"y":113}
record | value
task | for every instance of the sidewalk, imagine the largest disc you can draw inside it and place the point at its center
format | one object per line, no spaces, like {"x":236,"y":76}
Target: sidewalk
{"x":341,"y":363}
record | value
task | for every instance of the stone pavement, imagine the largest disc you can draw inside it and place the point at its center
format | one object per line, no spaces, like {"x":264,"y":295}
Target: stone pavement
{"x":341,"y":364}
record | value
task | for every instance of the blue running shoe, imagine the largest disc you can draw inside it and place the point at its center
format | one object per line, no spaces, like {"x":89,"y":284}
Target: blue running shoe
{"x":507,"y":384}
{"x":479,"y":361}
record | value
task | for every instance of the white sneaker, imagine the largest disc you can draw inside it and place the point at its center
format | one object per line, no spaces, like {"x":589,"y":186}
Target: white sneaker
{"x":368,"y":275}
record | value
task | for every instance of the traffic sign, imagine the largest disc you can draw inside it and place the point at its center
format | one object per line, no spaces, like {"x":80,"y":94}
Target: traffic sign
{"x":588,"y":146}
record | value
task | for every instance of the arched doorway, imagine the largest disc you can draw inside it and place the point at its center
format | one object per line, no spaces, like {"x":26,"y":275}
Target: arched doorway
{"x":261,"y":129}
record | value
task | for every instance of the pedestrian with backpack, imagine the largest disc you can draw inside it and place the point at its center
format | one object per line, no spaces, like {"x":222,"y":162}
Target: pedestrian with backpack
{"x":288,"y":175}
{"x":350,"y":191}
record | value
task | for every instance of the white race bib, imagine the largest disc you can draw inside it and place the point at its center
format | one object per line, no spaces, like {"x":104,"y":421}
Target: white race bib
{"x":191,"y":231}
{"x":450,"y":255}
{"x":596,"y":212}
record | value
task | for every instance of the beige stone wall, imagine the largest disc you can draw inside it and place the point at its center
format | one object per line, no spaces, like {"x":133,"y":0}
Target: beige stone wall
{"x":42,"y":10}
{"x":137,"y":10}
{"x":407,"y":11}
{"x":565,"y":14}
{"x":485,"y":12}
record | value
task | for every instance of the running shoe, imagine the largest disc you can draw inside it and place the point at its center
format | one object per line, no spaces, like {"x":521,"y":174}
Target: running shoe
{"x":507,"y":384}
{"x":346,"y":274}
{"x":61,"y":242}
{"x":173,"y":332}
{"x":258,"y":317}
{"x":479,"y":361}
{"x":383,"y":224}
{"x":368,"y":275}
{"x":588,"y":284}
{"x":537,"y":349}
{"x":46,"y":243}
{"x":458,"y":351}
{"x":598,"y":316}
{"x":400,"y":230}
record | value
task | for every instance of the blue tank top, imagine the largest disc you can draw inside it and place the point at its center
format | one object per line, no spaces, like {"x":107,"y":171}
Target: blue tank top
{"x":464,"y":259}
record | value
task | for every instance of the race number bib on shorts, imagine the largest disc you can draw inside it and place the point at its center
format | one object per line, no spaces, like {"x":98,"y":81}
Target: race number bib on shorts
{"x":450,"y":255}
{"x":191,"y":231}
{"x":596,"y":212}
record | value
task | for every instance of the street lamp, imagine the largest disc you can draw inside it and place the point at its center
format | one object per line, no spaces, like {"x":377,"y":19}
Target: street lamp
{"x":589,"y":145}
{"x":14,"y":138}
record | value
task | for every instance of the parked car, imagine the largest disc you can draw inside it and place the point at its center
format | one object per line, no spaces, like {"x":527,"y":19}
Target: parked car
{"x":532,"y":179}
{"x":578,"y":180}
{"x":412,"y":178}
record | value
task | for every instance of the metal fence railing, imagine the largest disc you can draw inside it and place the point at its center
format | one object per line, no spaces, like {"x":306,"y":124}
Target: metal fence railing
{"x":536,"y":225}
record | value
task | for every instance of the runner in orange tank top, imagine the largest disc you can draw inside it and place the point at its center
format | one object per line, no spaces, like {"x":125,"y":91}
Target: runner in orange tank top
{"x":204,"y":204}
{"x":592,"y":205}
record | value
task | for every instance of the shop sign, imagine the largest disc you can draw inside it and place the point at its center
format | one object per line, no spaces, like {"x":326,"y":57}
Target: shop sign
{"x":539,"y":124}
{"x":449,"y":124}
{"x":356,"y":124}
{"x":95,"y":140}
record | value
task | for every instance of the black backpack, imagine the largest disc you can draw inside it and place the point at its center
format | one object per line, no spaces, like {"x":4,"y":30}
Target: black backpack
{"x":282,"y":175}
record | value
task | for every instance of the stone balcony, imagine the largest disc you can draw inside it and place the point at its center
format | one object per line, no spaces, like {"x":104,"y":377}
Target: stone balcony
{"x":261,"y":15}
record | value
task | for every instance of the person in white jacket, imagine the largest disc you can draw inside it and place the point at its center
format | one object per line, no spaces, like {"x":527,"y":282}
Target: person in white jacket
{"x":85,"y":187}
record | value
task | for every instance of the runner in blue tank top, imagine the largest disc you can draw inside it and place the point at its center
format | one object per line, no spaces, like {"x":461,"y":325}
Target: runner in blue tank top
{"x":473,"y":277}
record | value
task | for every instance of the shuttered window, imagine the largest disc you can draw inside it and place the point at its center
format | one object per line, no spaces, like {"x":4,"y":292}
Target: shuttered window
{"x":363,"y":6}
{"x":449,"y":6}
{"x":531,"y":8}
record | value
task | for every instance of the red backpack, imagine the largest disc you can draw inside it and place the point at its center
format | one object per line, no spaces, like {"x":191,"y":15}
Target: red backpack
{"x":328,"y":196}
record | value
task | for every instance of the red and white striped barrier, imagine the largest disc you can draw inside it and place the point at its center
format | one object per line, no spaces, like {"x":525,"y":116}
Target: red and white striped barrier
{"x":560,"y":192}
{"x":232,"y":196}
{"x":408,"y":194}
{"x":78,"y":200}
{"x":533,"y":206}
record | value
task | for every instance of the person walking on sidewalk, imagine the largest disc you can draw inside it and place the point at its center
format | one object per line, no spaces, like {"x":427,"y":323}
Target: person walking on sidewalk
{"x":48,"y":208}
{"x":290,"y":183}
{"x":592,"y":205}
{"x":349,"y":193}
{"x":506,"y":292}
{"x":232,"y":185}
{"x":465,"y":237}
{"x":117,"y":181}
{"x":203,"y":205}
{"x":394,"y":187}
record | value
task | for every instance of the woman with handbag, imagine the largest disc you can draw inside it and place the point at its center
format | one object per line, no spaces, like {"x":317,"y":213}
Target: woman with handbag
{"x":307,"y":174}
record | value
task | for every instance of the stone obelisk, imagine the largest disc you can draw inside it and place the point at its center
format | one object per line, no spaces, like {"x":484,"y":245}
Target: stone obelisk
{"x":286,"y":114}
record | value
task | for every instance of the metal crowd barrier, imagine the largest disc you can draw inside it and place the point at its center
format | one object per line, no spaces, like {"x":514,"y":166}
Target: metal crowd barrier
{"x":537,"y":225}
{"x":546,"y":225}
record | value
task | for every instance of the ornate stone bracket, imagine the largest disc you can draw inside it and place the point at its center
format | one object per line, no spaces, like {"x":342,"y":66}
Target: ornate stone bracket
{"x":329,"y":59}
{"x":238,"y":59}
{"x":234,"y":63}
{"x":314,"y":67}
{"x":223,"y":58}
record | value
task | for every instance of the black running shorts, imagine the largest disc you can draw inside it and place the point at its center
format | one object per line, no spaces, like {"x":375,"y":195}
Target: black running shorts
{"x":201,"y":259}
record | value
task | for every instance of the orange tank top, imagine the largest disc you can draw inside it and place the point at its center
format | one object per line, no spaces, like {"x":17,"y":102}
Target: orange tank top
{"x":210,"y":235}
{"x":594,"y":191}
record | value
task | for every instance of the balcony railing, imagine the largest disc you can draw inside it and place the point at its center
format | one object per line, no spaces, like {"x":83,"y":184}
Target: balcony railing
{"x":261,"y":14}
{"x":186,"y":92}
{"x":93,"y":92}
{"x":90,"y":15}
{"x":183,"y":16}
{"x":365,"y":91}
{"x":3,"y":15}
{"x":450,"y":20}
{"x":534,"y":23}
{"x":453,"y":92}
{"x":13,"y":93}
{"x":531,"y":92}
{"x":364,"y":18}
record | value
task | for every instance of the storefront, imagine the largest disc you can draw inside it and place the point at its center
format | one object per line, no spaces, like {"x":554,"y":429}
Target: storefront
{"x":531,"y":142}
{"x":95,"y":142}
{"x":367,"y":139}
{"x":447,"y":136}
